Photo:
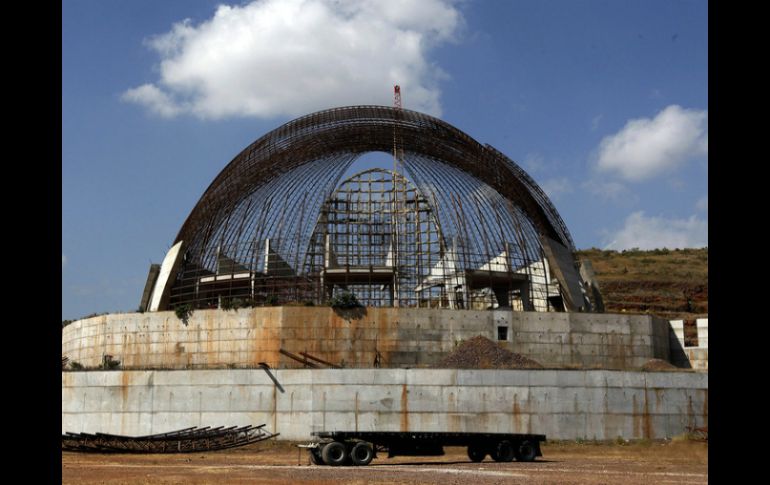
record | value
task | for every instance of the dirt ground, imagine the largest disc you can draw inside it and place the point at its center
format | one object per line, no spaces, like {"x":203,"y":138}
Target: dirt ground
{"x":278,"y":463}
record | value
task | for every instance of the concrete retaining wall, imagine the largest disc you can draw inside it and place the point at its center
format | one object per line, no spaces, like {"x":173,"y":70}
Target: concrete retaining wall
{"x":695,"y":357}
{"x":570,"y":404}
{"x":400,"y":337}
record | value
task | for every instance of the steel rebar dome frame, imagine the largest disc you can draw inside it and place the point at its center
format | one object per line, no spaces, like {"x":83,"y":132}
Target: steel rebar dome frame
{"x":258,"y":215}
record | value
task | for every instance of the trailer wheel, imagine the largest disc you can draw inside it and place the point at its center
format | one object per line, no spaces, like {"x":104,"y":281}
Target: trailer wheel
{"x":315,"y":457}
{"x":526,"y":451}
{"x":504,"y":451}
{"x":334,"y":453}
{"x":476,"y":453}
{"x":361,"y":454}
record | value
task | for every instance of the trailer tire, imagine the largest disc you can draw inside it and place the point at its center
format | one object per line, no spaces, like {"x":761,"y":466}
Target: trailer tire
{"x":504,"y":451}
{"x":361,"y":454}
{"x":315,"y":457}
{"x":334,"y":453}
{"x":476,"y":453}
{"x":526,"y":451}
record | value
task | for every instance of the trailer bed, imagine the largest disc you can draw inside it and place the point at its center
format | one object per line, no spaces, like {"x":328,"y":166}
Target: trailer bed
{"x":447,"y":438}
{"x":360,"y":447}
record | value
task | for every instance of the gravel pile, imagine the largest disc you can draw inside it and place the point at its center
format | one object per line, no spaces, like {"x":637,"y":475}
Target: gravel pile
{"x":481,"y":353}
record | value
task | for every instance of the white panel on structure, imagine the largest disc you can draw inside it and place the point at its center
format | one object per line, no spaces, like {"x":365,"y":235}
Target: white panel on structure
{"x":703,"y":332}
{"x":389,"y":257}
{"x":498,"y":263}
{"x":543,"y":285}
{"x":166,"y":277}
{"x":330,"y":259}
{"x":274,"y":262}
{"x":444,"y":272}
{"x":678,"y":327}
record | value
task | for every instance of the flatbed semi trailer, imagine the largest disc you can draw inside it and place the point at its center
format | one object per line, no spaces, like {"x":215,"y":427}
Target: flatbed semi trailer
{"x":358,"y":448}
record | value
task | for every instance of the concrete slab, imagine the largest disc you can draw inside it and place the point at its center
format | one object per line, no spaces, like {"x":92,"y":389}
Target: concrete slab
{"x":439,"y":377}
{"x":487,"y":377}
{"x":566,"y":410}
{"x":571,"y":378}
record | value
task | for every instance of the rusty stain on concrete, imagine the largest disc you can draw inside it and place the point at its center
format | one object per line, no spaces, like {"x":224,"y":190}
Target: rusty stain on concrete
{"x":517,"y":424}
{"x":404,"y":408}
{"x":403,"y":338}
{"x":356,"y":411}
{"x":125,"y":381}
{"x":453,"y":423}
{"x":528,"y":409}
{"x":658,"y":398}
{"x":606,"y":402}
{"x":637,"y":418}
{"x":690,"y":412}
{"x":275,"y":406}
{"x":648,"y":430}
{"x":210,"y":324}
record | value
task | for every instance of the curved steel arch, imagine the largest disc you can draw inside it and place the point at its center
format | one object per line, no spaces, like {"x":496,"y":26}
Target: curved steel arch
{"x":360,"y":129}
{"x":256,"y":220}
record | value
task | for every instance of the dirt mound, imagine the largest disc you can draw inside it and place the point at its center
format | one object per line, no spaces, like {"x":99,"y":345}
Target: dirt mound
{"x":658,"y":364}
{"x":481,"y":353}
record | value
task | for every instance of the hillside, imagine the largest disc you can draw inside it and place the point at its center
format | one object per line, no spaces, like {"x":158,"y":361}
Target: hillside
{"x":670,"y":283}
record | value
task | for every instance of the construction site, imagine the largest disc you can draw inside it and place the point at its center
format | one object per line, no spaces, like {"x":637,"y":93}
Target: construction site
{"x":438,"y":291}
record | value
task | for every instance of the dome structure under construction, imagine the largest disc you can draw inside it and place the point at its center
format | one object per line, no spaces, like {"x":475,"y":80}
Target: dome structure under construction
{"x":452,"y":224}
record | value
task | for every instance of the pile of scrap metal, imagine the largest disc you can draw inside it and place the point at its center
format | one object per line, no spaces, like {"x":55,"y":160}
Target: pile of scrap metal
{"x":181,"y":441}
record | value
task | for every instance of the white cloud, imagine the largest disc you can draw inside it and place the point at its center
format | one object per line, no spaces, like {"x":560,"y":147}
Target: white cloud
{"x":645,"y":232}
{"x":63,"y":261}
{"x":609,"y":190}
{"x":291,"y":57}
{"x":703,"y":204}
{"x":647,"y":147}
{"x":156,"y":100}
{"x":554,"y":188}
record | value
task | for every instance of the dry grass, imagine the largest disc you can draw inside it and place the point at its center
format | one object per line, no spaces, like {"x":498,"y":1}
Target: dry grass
{"x":668,"y":283}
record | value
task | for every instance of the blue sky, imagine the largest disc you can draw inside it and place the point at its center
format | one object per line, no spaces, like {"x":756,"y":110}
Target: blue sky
{"x":604,"y":103}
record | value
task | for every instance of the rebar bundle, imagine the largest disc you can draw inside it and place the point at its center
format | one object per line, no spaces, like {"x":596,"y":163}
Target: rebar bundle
{"x":185,"y":440}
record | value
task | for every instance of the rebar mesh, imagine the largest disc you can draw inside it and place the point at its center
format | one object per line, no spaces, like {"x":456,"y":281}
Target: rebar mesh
{"x":459,"y":226}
